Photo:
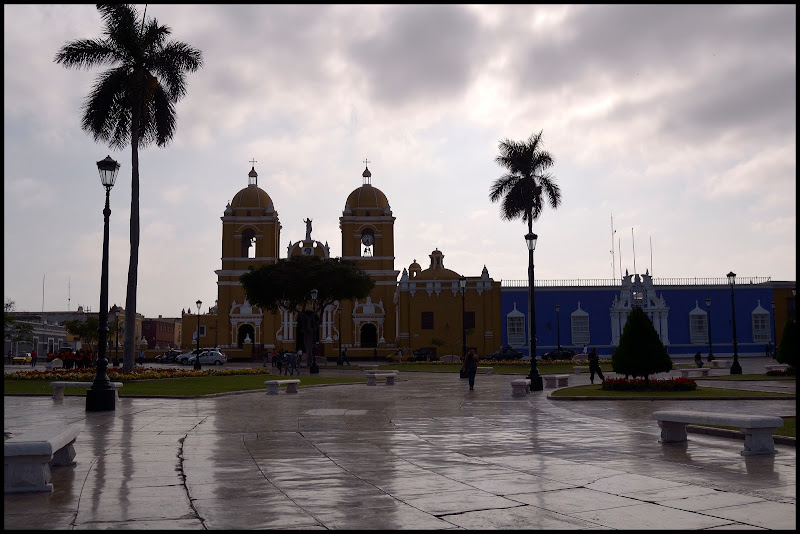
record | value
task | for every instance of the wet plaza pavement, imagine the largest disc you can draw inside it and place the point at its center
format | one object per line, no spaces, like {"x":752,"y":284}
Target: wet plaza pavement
{"x":426,"y":453}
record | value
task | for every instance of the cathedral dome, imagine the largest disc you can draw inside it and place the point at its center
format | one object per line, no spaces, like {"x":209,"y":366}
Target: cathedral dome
{"x":437,"y":270}
{"x":251,"y":197}
{"x":367,"y":197}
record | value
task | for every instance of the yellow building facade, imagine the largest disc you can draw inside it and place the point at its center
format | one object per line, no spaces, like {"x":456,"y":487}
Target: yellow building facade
{"x":423,"y":308}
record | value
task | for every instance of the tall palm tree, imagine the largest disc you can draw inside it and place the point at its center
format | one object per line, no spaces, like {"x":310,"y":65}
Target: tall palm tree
{"x":132,"y":102}
{"x":520,"y":190}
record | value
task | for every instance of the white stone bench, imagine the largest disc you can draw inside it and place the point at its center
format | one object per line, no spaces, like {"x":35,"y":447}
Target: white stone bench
{"x":776,"y":367}
{"x":758,"y":429}
{"x":388,"y":375}
{"x":58,"y":388}
{"x":520,"y":387}
{"x":29,"y":456}
{"x":702,"y":371}
{"x":719,"y":364}
{"x":552,"y":381}
{"x":486,"y":370}
{"x":579,"y":368}
{"x":273,"y":385}
{"x":56,"y":363}
{"x":364,"y":366}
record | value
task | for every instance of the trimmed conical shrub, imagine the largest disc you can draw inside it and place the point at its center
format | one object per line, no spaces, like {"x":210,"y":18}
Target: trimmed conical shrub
{"x":787,"y":348}
{"x":640,"y":351}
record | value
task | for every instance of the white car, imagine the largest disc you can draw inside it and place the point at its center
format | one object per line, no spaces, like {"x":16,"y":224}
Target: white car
{"x":183,"y":359}
{"x":209,"y":357}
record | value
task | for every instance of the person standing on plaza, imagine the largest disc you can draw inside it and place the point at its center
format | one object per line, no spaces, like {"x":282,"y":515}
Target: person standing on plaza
{"x":471,"y":368}
{"x":698,"y":359}
{"x":34,"y":357}
{"x":9,"y":356}
{"x":594,"y":366}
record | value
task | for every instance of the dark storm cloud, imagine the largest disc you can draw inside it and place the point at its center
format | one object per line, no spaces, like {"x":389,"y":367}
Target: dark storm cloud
{"x":421,"y":52}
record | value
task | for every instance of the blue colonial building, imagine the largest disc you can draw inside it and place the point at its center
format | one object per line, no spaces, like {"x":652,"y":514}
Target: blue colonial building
{"x":686,"y":313}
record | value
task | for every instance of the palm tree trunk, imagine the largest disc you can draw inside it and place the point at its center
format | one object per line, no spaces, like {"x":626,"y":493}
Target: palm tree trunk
{"x":128,"y":350}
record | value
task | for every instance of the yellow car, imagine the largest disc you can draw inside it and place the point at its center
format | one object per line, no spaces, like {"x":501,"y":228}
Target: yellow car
{"x":21,"y":359}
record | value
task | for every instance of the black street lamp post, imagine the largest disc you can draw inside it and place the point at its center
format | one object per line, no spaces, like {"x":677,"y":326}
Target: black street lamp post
{"x":100,"y":397}
{"x":534,"y":376}
{"x":197,"y":365}
{"x":710,"y":350}
{"x":339,"y":313}
{"x":558,"y":329}
{"x":462,"y":282}
{"x":313,"y":368}
{"x":774,"y":333}
{"x":736,"y":368}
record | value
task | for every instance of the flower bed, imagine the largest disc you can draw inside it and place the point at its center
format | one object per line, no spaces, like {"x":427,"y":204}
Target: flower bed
{"x":87,"y":375}
{"x":638,"y":384}
{"x":782,"y":372}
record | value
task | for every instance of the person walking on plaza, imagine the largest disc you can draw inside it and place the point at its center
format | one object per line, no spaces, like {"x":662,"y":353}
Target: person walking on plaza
{"x":698,"y":359}
{"x":344,"y":358}
{"x":594,"y":366}
{"x":9,"y":356}
{"x":471,"y":368}
{"x":34,"y":357}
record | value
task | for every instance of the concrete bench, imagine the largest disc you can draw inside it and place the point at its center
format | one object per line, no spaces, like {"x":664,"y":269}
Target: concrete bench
{"x":273,"y":385}
{"x":388,"y":375}
{"x":486,"y":370}
{"x":520,"y":387}
{"x":758,"y":429}
{"x":702,"y":371}
{"x":776,"y":367}
{"x":720,"y":364}
{"x":364,"y":366}
{"x":58,"y":388}
{"x":30,"y":455}
{"x":56,"y":363}
{"x":552,"y":381}
{"x":579,"y":368}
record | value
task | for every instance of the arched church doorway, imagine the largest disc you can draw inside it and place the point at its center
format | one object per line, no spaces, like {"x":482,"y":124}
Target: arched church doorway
{"x":244,"y":331}
{"x":369,"y":336}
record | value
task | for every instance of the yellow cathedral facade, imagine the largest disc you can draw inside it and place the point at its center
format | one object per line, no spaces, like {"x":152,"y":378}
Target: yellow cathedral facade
{"x":407,"y":310}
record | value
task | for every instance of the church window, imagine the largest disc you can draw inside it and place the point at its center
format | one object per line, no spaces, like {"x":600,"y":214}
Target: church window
{"x":469,"y":319}
{"x":248,"y":243}
{"x":426,"y":320}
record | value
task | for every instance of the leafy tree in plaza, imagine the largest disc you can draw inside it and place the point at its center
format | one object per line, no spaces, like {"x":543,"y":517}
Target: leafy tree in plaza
{"x":287,"y":285}
{"x":132,"y":103}
{"x":88,"y":331}
{"x":787,"y":348}
{"x":15,"y":330}
{"x":640,"y":351}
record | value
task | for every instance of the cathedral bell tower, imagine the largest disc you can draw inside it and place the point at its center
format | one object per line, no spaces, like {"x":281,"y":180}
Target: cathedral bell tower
{"x":367,"y":227}
{"x":250,"y":237}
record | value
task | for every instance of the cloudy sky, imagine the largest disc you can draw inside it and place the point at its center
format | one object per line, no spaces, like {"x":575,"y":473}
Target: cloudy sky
{"x":677,"y":121}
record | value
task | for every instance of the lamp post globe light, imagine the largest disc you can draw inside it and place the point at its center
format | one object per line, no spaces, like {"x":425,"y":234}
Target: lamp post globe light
{"x":197,"y":365}
{"x":313,"y":368}
{"x":558,"y":329}
{"x":710,"y":350}
{"x":462,"y":283}
{"x":736,"y":368}
{"x":534,"y":376}
{"x":100,"y":397}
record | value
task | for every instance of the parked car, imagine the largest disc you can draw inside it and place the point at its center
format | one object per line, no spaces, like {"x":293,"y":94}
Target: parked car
{"x":209,"y":357}
{"x":168,"y":357}
{"x":505,"y":353}
{"x":424,"y":354}
{"x":183,"y":359}
{"x":564,"y":353}
{"x":23,"y":358}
